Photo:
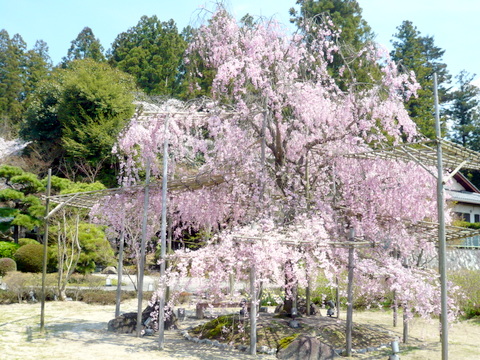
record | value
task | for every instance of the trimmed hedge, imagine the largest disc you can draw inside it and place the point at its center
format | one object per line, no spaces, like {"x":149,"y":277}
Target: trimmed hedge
{"x":29,"y":258}
{"x":6,"y":265}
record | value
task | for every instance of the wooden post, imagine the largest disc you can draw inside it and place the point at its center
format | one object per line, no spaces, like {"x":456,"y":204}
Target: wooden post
{"x":141,"y":267}
{"x":442,"y":243}
{"x":163,"y":245}
{"x":253,"y":312}
{"x":405,"y":325}
{"x":307,"y":295}
{"x":395,"y":308}
{"x":45,"y":250}
{"x":349,"y":324}
{"x":231,"y":281}
{"x":120,"y":273}
{"x":337,"y":298}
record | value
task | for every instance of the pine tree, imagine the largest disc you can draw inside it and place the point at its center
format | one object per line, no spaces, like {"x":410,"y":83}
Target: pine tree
{"x":151,"y":51}
{"x":345,"y":14}
{"x":85,"y":46}
{"x":37,"y":67}
{"x":12,"y":77}
{"x":355,"y":34}
{"x":417,"y":53}
{"x":464,"y":112}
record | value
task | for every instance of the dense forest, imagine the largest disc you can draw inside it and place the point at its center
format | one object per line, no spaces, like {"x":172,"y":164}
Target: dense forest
{"x":71,"y":113}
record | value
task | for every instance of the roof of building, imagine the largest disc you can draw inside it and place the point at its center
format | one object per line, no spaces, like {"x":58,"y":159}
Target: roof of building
{"x":467,"y":184}
{"x":464,"y":197}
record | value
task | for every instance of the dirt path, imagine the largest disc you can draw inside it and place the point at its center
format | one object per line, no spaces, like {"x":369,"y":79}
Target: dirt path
{"x":78,"y":331}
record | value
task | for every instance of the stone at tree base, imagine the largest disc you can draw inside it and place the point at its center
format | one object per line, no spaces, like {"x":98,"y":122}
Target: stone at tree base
{"x":293,"y":324}
{"x":127,"y":323}
{"x":306,"y":348}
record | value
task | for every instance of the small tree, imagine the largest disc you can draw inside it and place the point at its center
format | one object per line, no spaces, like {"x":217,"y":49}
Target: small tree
{"x":68,"y":253}
{"x":19,"y":198}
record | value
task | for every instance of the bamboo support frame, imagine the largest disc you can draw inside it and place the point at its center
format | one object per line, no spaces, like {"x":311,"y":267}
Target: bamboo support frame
{"x":425,"y":152}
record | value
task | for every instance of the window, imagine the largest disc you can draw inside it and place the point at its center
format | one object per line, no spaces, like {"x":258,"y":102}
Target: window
{"x":463,"y":216}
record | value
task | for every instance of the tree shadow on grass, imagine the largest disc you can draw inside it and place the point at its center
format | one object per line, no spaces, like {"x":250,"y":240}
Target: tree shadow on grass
{"x":176,"y":347}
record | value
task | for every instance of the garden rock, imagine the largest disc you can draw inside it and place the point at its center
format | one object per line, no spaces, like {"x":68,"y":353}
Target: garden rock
{"x":306,"y":348}
{"x":127,"y":323}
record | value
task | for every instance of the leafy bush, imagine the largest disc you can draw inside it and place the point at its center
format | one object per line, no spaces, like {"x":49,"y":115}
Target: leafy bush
{"x":6,"y":265}
{"x":96,"y":249}
{"x":26,"y":241}
{"x":8,"y":249}
{"x":469,"y":283}
{"x":29,"y":258}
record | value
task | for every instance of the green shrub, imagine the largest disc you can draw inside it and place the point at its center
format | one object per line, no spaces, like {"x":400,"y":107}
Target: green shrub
{"x":469,"y":299}
{"x":29,"y":258}
{"x":8,"y":249}
{"x":26,"y":241}
{"x":96,"y":249}
{"x":6,"y":265}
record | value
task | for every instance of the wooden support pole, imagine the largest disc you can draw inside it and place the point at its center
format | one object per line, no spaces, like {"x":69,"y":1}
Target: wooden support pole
{"x":45,"y":250}
{"x":141,"y":267}
{"x":337,"y":297}
{"x":231,"y":281}
{"x":253,"y":312}
{"x":405,"y":326}
{"x":120,"y":273}
{"x":349,"y":324}
{"x":442,"y":243}
{"x":307,"y":295}
{"x":395,"y":308}
{"x":163,"y":245}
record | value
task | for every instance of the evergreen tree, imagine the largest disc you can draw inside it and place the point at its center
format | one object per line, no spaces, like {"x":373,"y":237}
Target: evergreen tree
{"x":96,"y":103}
{"x":194,"y":78}
{"x":417,"y":53}
{"x":41,"y":122}
{"x":18,"y":199}
{"x":37,"y":67}
{"x":12,"y":90}
{"x":345,"y":14}
{"x":355,"y":34}
{"x":81,"y":110}
{"x":20,"y":72}
{"x":152,"y":52}
{"x":464,"y":112}
{"x":85,"y":46}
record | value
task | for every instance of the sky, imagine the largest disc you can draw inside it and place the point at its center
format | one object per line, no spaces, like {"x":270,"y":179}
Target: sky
{"x":455,"y":26}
